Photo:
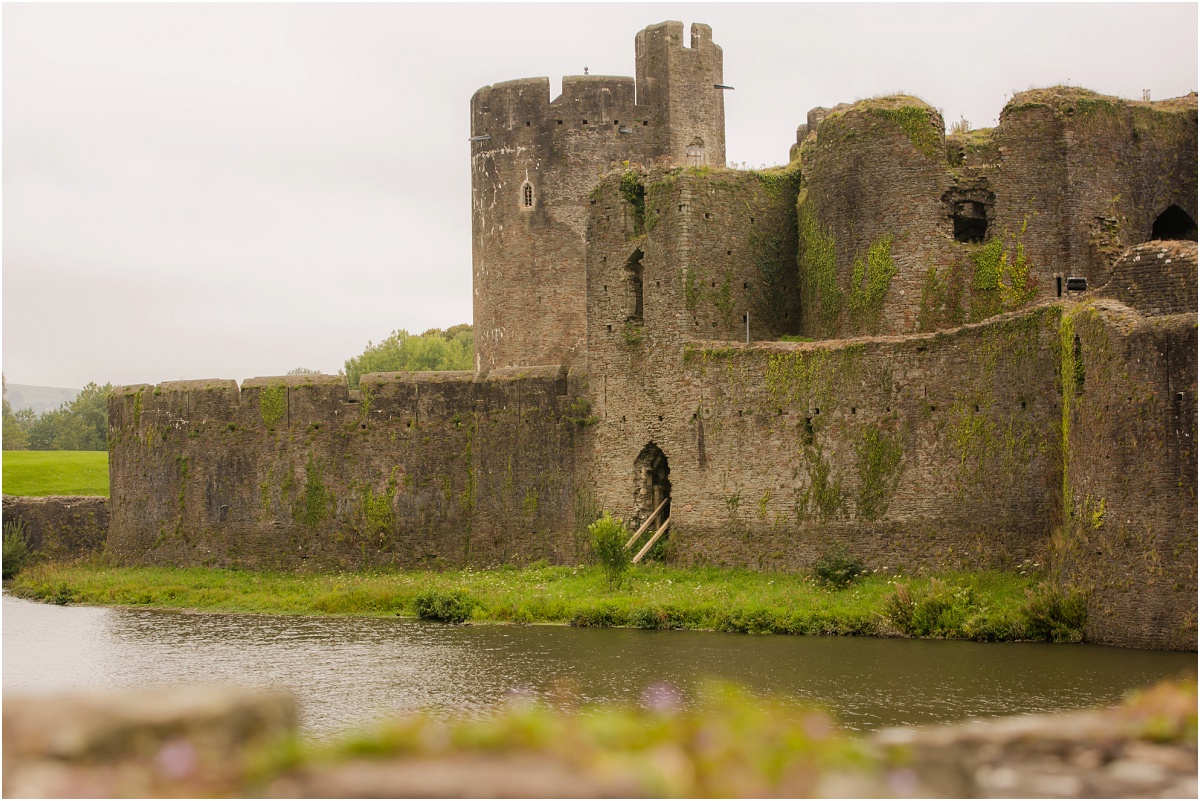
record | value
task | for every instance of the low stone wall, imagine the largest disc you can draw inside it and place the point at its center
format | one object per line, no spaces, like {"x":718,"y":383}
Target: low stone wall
{"x":61,"y":527}
{"x":211,"y":742}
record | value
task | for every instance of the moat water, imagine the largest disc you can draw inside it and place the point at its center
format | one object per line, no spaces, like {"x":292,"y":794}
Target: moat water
{"x":347,"y":671}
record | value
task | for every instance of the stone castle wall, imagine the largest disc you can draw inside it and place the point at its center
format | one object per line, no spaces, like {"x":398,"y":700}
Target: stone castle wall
{"x":1129,"y":388}
{"x":957,"y":408}
{"x":413,"y":469}
{"x":60,"y":527}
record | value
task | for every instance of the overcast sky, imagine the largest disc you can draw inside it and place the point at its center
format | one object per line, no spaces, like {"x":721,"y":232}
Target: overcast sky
{"x":226,"y":191}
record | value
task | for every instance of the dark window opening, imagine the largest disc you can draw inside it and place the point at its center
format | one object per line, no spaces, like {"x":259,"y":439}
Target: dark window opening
{"x":652,"y":486}
{"x":645,"y":122}
{"x":1174,"y":223}
{"x":970,"y":221}
{"x":633,"y":286}
{"x":527,"y":194}
{"x":1058,"y":286}
{"x":559,"y":122}
{"x":528,"y":123}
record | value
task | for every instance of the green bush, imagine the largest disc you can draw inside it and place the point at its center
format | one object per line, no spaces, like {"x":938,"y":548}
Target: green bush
{"x":608,"y":537}
{"x":1053,"y":615}
{"x":943,"y":610}
{"x":603,"y":616}
{"x":450,"y":606}
{"x":16,"y":549}
{"x":837,"y":568}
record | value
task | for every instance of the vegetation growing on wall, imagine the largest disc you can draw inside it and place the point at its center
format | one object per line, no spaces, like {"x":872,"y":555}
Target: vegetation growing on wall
{"x":634,"y":193}
{"x":918,"y":125}
{"x":942,"y":298}
{"x":869,"y":284}
{"x":272,"y":404}
{"x":823,"y":496}
{"x":878,"y":461}
{"x":817,"y":260}
{"x":1003,"y":279}
{"x":315,"y":500}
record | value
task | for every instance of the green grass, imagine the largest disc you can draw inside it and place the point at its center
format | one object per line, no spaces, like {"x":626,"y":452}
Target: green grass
{"x":55,"y":473}
{"x":981,"y":606}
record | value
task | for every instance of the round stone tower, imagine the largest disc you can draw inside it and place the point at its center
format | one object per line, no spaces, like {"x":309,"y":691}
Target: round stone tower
{"x":534,"y":162}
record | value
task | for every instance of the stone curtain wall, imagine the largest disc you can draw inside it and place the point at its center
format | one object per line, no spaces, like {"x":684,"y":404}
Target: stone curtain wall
{"x":917,"y":451}
{"x":1129,"y":387}
{"x":414,"y":469}
{"x":61,"y":527}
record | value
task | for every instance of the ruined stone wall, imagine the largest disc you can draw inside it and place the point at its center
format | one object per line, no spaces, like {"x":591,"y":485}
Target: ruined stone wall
{"x":711,"y":245}
{"x":1060,"y":187}
{"x":871,"y":217}
{"x":413,"y":469}
{"x":1129,"y":389}
{"x":60,"y":527}
{"x":1156,"y":278}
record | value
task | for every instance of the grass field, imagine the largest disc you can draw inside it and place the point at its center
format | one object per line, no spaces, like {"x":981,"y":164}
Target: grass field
{"x":979,"y":606}
{"x":55,"y":473}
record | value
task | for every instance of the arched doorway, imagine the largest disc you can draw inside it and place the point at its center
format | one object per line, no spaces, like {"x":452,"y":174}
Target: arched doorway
{"x":652,"y":486}
{"x":1174,"y":223}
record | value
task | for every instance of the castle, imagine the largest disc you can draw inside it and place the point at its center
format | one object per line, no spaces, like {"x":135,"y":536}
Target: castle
{"x":884,"y":346}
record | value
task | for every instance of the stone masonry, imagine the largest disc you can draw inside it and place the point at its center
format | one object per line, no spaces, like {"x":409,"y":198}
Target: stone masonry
{"x":875,"y":347}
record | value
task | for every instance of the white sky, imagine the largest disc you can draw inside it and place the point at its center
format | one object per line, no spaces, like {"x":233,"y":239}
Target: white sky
{"x":225,"y":191}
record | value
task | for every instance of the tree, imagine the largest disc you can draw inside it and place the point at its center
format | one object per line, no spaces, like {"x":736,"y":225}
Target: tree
{"x":451,"y":349}
{"x":81,"y":425}
{"x":15,"y":436}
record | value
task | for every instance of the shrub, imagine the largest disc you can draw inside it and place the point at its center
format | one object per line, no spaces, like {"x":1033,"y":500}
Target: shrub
{"x":16,"y":549}
{"x":1053,"y":615}
{"x":603,"y":616}
{"x":450,"y":606}
{"x":942,"y":610}
{"x":837,"y":568}
{"x":608,"y":537}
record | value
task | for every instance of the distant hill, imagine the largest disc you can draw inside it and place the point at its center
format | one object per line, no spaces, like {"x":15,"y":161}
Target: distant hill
{"x":40,"y":399}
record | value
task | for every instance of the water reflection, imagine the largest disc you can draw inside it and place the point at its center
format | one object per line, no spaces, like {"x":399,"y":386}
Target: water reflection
{"x":347,"y":671}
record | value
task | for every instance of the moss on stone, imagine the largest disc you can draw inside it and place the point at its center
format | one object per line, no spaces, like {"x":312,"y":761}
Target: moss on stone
{"x":918,"y":124}
{"x":314,"y":504}
{"x":817,"y":262}
{"x":869,"y":283}
{"x":878,"y":461}
{"x":272,"y":404}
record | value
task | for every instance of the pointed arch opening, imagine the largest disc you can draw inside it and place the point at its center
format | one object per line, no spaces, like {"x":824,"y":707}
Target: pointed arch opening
{"x":527,"y":195}
{"x":1174,"y":223}
{"x":652,"y":486}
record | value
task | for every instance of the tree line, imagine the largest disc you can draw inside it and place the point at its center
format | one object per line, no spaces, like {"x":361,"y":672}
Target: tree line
{"x":82,"y":424}
{"x":78,"y":425}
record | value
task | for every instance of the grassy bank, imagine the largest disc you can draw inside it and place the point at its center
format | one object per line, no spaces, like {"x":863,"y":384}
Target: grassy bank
{"x":37,"y":473}
{"x":980,"y":606}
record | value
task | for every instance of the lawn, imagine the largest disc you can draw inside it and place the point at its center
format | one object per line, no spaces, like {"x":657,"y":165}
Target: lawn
{"x":978,"y":606}
{"x":55,"y":473}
